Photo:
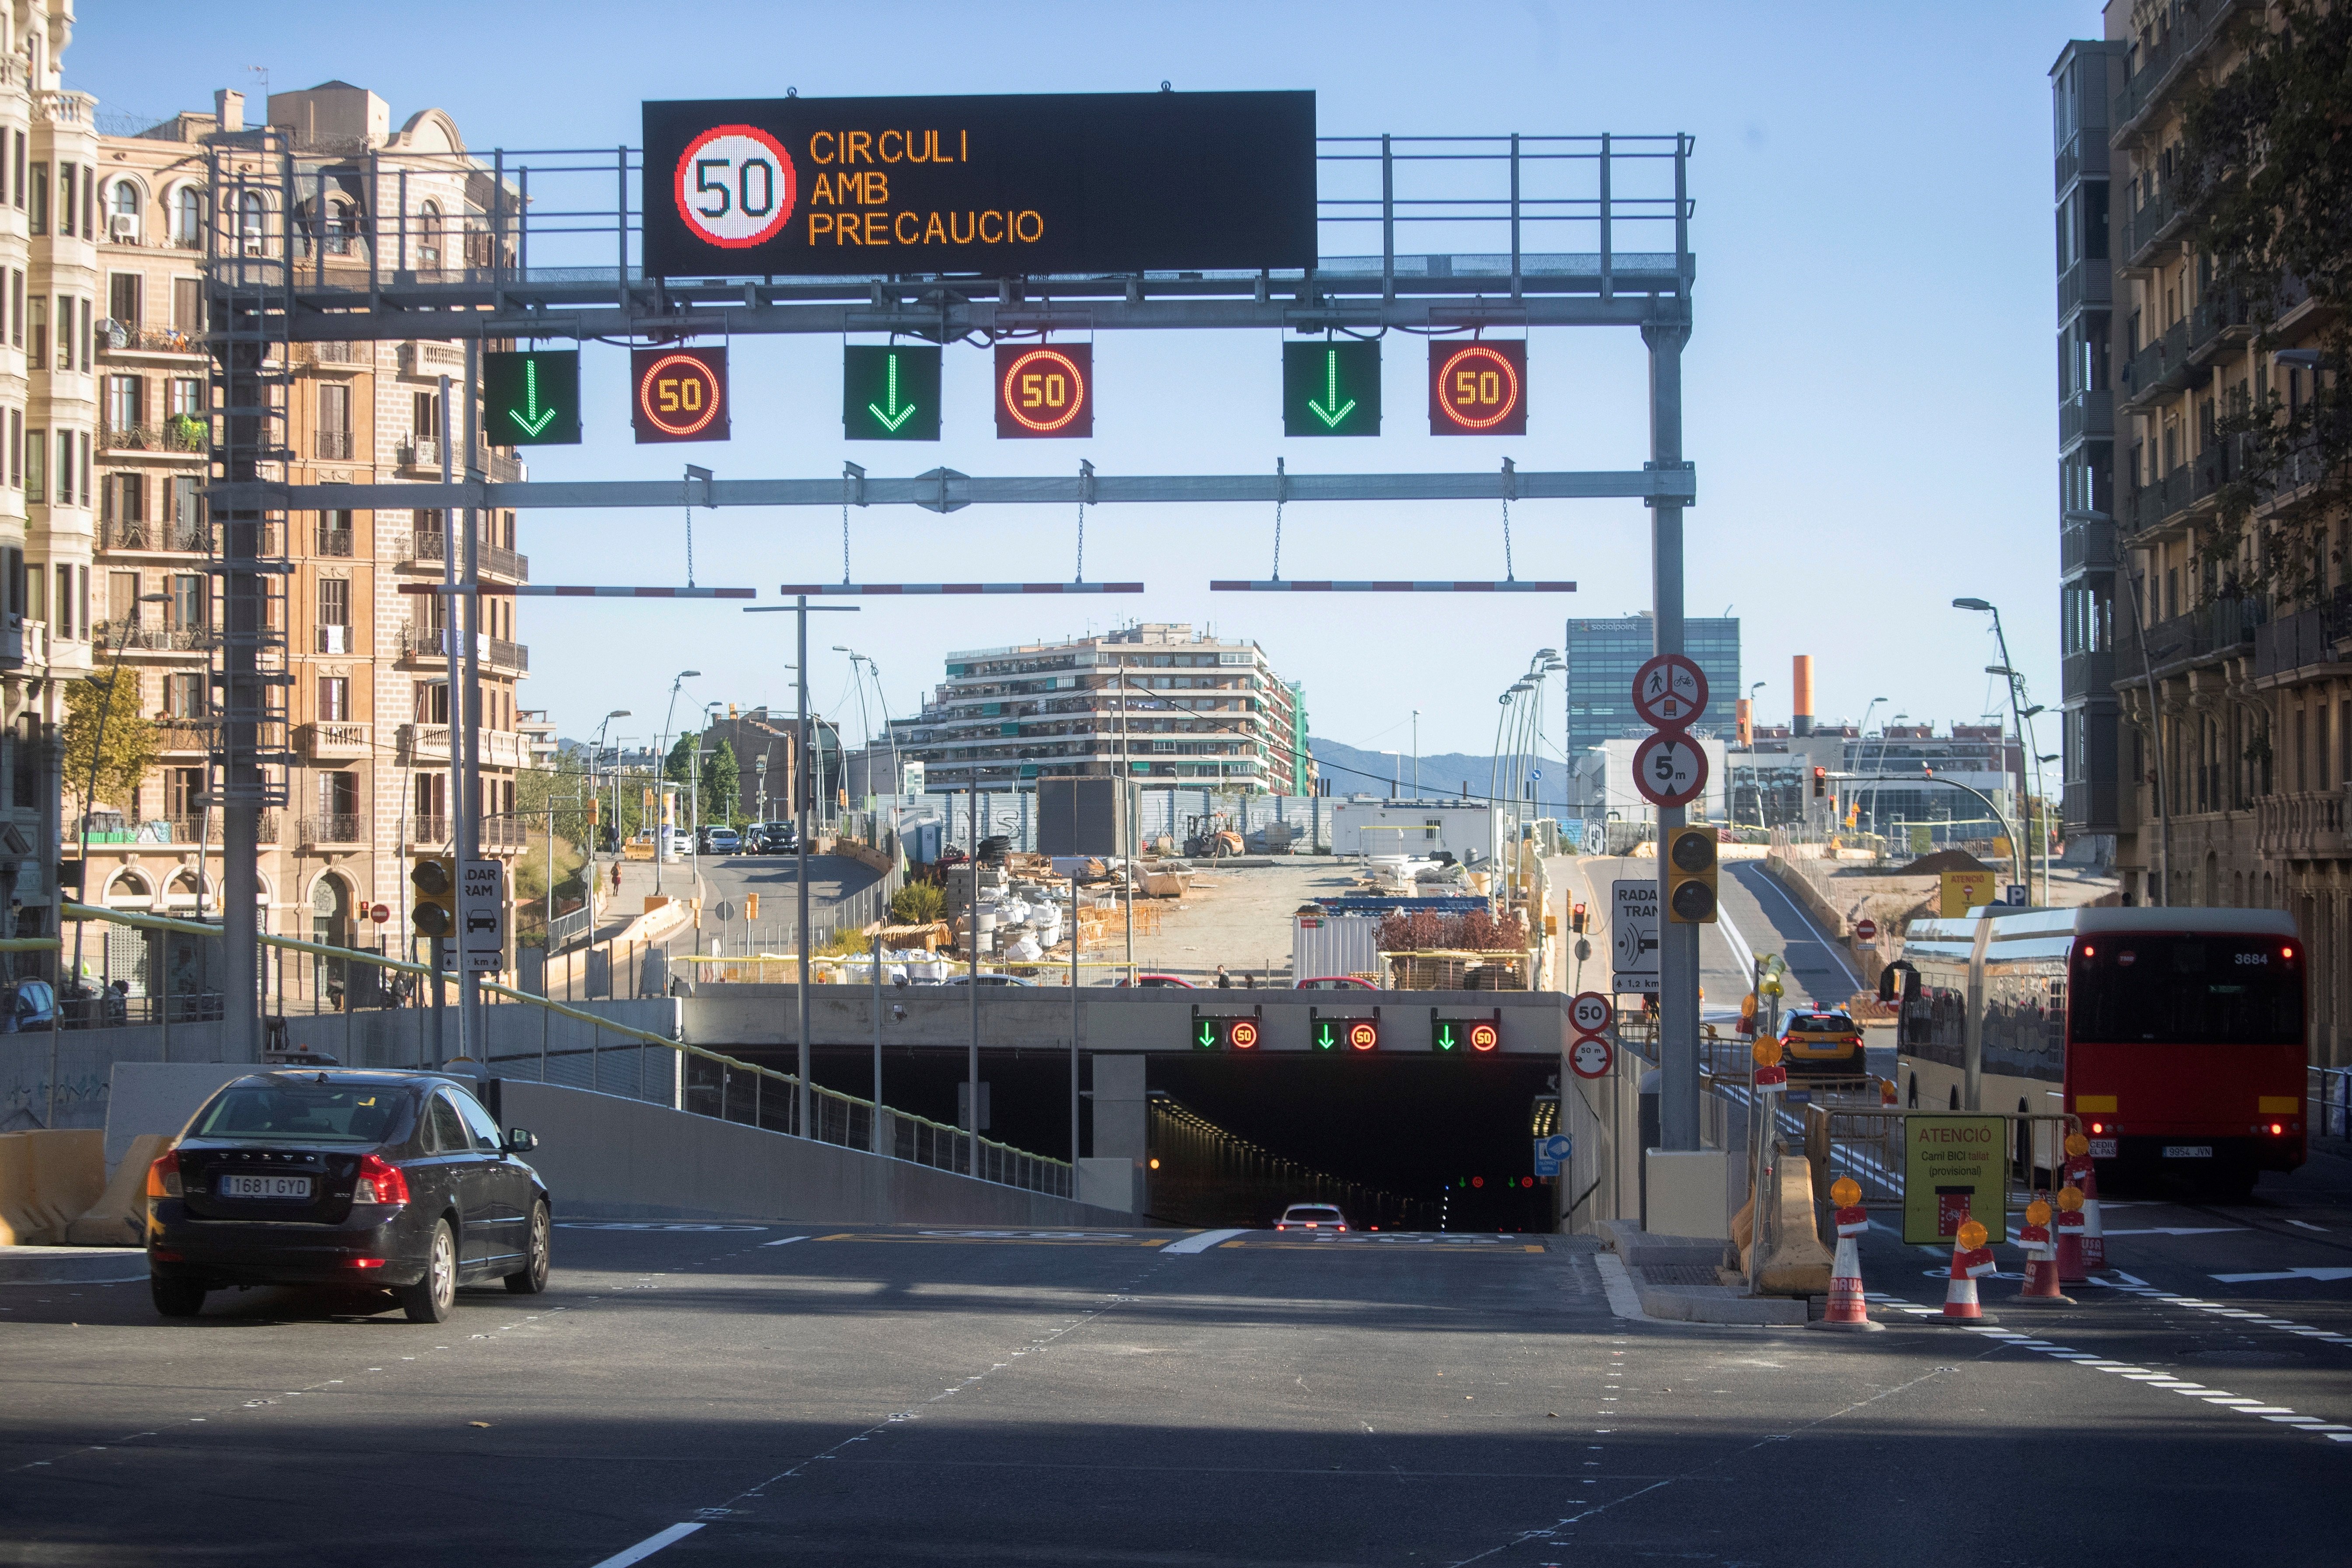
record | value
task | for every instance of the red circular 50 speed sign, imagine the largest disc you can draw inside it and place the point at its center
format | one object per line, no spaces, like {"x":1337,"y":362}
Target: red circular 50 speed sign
{"x":735,"y":187}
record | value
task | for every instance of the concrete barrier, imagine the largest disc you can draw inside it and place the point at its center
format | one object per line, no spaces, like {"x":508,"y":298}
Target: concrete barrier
{"x":119,"y":1218}
{"x":605,"y":1157}
{"x":47,"y":1180}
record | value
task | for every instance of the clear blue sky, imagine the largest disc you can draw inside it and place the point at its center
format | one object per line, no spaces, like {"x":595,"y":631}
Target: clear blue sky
{"x":1871,"y":395}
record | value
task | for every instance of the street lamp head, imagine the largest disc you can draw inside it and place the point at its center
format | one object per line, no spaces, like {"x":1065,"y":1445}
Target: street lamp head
{"x":1970,"y":605}
{"x":2001,"y":669}
{"x":2037,"y":708}
{"x":689,"y":674}
{"x":2051,"y":757}
{"x":618,"y":713}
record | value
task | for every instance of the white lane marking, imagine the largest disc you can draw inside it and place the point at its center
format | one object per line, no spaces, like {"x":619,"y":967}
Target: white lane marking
{"x":1624,"y":1301}
{"x":1806,"y":920}
{"x":649,"y":1545}
{"x":2306,"y":1225}
{"x":2323,"y":1275}
{"x":2180,"y":1230}
{"x":1201,"y":1243}
{"x":117,"y":1280}
{"x":787,"y":1241}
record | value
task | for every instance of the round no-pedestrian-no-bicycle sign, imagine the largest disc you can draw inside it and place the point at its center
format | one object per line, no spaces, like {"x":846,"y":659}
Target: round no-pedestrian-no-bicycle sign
{"x":1669,"y":768}
{"x":1591,"y":1057}
{"x":1670,"y":690}
{"x":1866,"y":931}
{"x":736,"y":186}
{"x":1591,"y":1012}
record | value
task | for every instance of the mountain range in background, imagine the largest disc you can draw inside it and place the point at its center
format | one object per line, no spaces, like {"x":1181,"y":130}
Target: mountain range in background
{"x":1443,"y":774}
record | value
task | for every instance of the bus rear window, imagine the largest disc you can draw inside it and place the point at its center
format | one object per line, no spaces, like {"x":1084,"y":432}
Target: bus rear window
{"x":2130,"y":989}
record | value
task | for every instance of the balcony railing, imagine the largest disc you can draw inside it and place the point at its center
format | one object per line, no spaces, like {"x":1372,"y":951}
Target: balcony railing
{"x":2089,"y":282}
{"x":2090,"y":806}
{"x":334,"y":639}
{"x":2161,"y":366}
{"x":2152,"y":219}
{"x":2213,"y":630}
{"x":2087,"y":675}
{"x":334,"y":542}
{"x":427,"y":545}
{"x":334,"y":445}
{"x":497,"y":748}
{"x":186,"y":538}
{"x":2219,"y":318}
{"x":120,"y":337}
{"x":433,"y":642}
{"x":2086,"y":545}
{"x":182,"y":830}
{"x":2149,"y":505}
{"x":178,"y":735}
{"x":2320,"y":635}
{"x":334,"y":742}
{"x":335,"y":827}
{"x":2089,"y":415}
{"x":2187,"y":26}
{"x":424,"y":452}
{"x":494,"y":834}
{"x":180,"y":432}
{"x":2302,"y":825}
{"x":146,"y":638}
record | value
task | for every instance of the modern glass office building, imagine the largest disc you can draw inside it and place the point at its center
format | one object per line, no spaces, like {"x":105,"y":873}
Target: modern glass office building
{"x":1602,"y":656}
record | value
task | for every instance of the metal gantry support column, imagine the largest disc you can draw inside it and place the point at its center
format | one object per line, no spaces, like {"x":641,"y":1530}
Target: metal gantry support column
{"x":465,"y":730}
{"x":1678,"y":1119}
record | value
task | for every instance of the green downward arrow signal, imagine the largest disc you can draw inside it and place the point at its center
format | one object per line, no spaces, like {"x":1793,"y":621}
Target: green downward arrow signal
{"x":1445,"y":1037}
{"x":1330,"y":410}
{"x":898,"y":417}
{"x":1323,"y":1040}
{"x":1208,"y":1037}
{"x":539,"y":417}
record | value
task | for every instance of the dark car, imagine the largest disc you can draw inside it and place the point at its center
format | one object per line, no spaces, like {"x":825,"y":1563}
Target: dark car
{"x":343,"y":1179}
{"x":772,"y":838}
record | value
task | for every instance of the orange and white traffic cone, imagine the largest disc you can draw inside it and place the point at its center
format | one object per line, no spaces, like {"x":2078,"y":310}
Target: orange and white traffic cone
{"x":1847,"y":1309}
{"x":1970,"y":1257}
{"x":2070,"y":1236}
{"x":2041,"y":1258}
{"x":2083,"y":1175}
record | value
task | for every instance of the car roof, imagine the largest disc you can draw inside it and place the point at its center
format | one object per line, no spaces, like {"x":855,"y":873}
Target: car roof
{"x":356,"y":1077}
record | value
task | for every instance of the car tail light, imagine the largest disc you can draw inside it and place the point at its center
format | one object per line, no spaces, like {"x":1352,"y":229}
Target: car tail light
{"x":2099,"y":1127}
{"x":379,"y":1182}
{"x":1343,"y":1227}
{"x":1310,"y":1225}
{"x":2276,"y":1129}
{"x":163,"y":1176}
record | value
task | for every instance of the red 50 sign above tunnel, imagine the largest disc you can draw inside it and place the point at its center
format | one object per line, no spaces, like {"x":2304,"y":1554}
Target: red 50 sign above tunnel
{"x":1477,"y":388}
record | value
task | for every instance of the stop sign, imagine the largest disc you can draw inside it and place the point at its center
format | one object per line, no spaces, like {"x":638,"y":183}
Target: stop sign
{"x":1866,"y":931}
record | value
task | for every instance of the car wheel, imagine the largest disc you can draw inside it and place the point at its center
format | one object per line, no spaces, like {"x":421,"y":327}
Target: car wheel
{"x":175,"y":1298}
{"x":534,"y":1279}
{"x":432,"y":1298}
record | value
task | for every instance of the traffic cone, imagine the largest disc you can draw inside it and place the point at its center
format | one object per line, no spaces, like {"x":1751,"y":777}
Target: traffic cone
{"x":1970,"y":1257}
{"x":2041,"y":1258}
{"x":2070,"y":1236}
{"x":1847,"y":1309}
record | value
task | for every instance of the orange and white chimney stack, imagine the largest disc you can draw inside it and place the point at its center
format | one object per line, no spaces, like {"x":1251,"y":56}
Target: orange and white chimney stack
{"x":1800,"y":709}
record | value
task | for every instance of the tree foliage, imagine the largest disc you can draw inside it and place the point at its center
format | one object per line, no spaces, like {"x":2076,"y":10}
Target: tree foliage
{"x":125,"y":750}
{"x":2266,"y":163}
{"x":722,"y":785}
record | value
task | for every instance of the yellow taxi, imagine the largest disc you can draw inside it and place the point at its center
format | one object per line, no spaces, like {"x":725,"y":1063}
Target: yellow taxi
{"x":1823,"y":1045}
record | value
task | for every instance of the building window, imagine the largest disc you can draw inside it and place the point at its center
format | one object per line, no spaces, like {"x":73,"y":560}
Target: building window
{"x":335,"y":422}
{"x":86,"y":334}
{"x":64,"y":332}
{"x":38,"y":354}
{"x":16,"y":448}
{"x":38,"y":219}
{"x":187,"y":304}
{"x":183,"y":790}
{"x":334,"y":533}
{"x":334,"y":699}
{"x":427,"y":416}
{"x":428,"y":240}
{"x":124,"y":400}
{"x":252,"y":222}
{"x":183,"y":695}
{"x":334,"y":616}
{"x":124,"y":298}
{"x":188,"y":217}
{"x":189,"y":601}
{"x":338,"y":795}
{"x":433,"y":702}
{"x":37,"y":451}
{"x":17,"y":308}
{"x":185,"y":395}
{"x":123,"y":501}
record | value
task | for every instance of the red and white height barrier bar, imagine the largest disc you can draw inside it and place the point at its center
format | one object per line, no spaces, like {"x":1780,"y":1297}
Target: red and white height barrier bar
{"x":1280,"y":585}
{"x":579,"y":591}
{"x":814,"y":590}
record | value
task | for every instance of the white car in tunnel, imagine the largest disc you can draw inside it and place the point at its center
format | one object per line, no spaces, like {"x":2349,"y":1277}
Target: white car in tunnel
{"x":1311,"y":1216}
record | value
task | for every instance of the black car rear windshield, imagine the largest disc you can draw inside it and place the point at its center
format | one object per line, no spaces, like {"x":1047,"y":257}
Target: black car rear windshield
{"x":2131,"y":989}
{"x":305,"y":1112}
{"x":1822,"y":1022}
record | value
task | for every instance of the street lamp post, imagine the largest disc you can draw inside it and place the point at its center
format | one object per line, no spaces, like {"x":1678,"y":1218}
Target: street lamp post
{"x":661,"y":784}
{"x":2008,"y":671}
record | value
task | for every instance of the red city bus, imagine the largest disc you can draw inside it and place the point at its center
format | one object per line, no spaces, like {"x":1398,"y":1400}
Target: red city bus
{"x":2178,"y":1036}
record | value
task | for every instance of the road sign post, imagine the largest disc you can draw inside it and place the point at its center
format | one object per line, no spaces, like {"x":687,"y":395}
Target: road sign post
{"x":482,"y":921}
{"x":1552,"y":1153}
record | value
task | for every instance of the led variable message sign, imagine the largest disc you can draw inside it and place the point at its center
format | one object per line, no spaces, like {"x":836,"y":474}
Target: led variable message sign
{"x":680,"y":393}
{"x":1463,"y":1036}
{"x":1001,"y":185}
{"x":1478,"y":389}
{"x":1045,"y":389}
{"x":891,"y":394}
{"x":1331,"y":388}
{"x":1224,"y":1034}
{"x":531,"y":399}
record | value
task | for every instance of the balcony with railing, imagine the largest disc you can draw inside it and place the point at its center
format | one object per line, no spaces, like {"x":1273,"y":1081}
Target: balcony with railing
{"x":2181,"y":28}
{"x":2090,"y":282}
{"x":334,"y":446}
{"x":2293,"y":644}
{"x":425,"y":548}
{"x":174,"y":537}
{"x":152,"y":638}
{"x":2151,"y":221}
{"x":181,"y":830}
{"x":2220,"y":320}
{"x":433,"y":642}
{"x":2088,"y":416}
{"x":2147,"y":507}
{"x":2087,"y":675}
{"x":2086,"y":543}
{"x":496,"y":835}
{"x":335,"y":830}
{"x":2221,"y":463}
{"x":179,"y":735}
{"x":335,"y":639}
{"x":120,"y":339}
{"x":2160,"y":367}
{"x":333,"y":542}
{"x":497,"y":748}
{"x":2089,"y":807}
{"x":335,"y":741}
{"x":2219,"y":629}
{"x":2303,"y":824}
{"x":182,"y":435}
{"x":422,"y":454}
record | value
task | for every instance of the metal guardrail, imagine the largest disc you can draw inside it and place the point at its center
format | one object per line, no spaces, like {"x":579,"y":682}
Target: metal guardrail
{"x":2327,"y":1101}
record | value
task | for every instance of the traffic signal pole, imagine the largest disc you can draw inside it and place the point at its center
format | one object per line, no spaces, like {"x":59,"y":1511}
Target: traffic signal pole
{"x":465,"y":742}
{"x":1678,"y":1118}
{"x":451,"y":608}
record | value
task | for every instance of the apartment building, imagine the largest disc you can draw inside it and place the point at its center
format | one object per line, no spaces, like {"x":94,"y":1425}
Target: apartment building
{"x":2208,"y":689}
{"x":1153,"y":700}
{"x":363,"y":676}
{"x":49,"y":300}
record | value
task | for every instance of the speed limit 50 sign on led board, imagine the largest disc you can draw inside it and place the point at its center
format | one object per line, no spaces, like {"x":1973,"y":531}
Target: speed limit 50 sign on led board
{"x":1477,"y":388}
{"x":1045,"y":389}
{"x":680,"y":393}
{"x":999,"y":186}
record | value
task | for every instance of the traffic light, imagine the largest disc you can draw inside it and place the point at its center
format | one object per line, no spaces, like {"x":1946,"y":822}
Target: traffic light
{"x":1821,"y":784}
{"x":1690,"y":876}
{"x":1332,"y":387}
{"x":1576,"y":918}
{"x":1241,"y":1034}
{"x":435,"y":877}
{"x":531,"y":397}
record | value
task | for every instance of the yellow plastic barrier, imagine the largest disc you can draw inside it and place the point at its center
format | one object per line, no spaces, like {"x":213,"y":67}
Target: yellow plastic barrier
{"x":119,"y":1218}
{"x":47,"y":1180}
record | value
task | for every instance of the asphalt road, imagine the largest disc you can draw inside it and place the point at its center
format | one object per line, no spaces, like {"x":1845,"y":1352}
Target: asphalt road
{"x":726,"y":878}
{"x":1763,"y":919}
{"x":927,"y":1396}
